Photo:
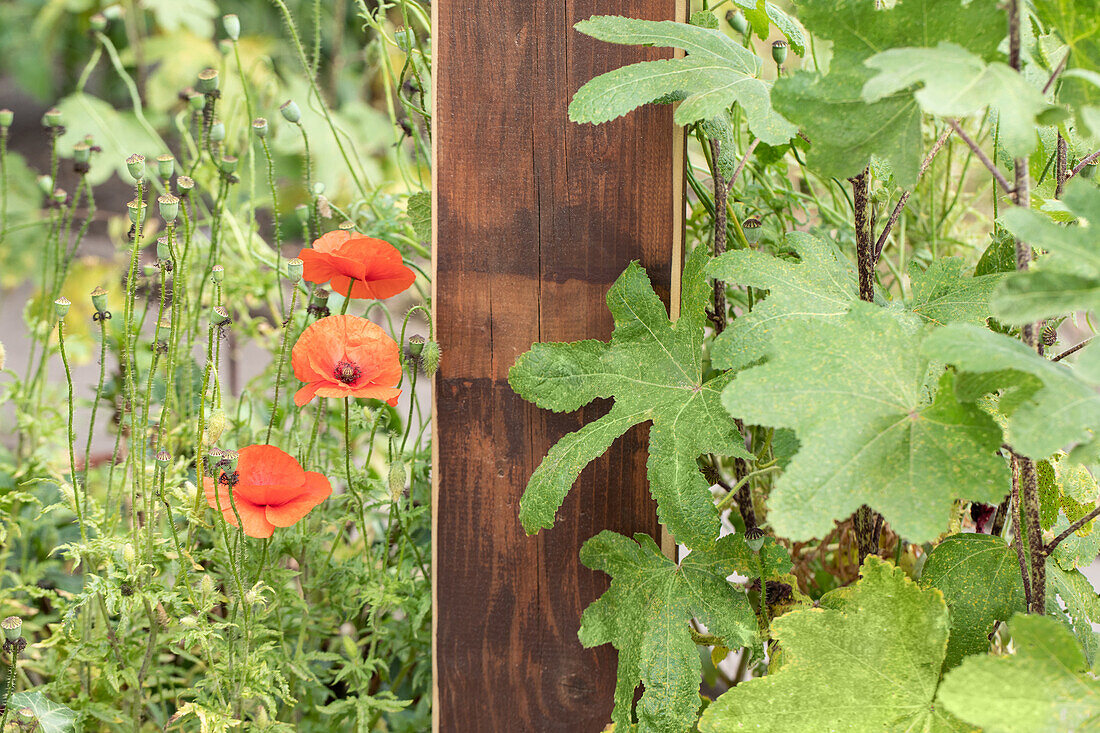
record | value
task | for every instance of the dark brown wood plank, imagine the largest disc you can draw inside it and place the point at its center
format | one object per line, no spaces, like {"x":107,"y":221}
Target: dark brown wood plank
{"x":535,"y":217}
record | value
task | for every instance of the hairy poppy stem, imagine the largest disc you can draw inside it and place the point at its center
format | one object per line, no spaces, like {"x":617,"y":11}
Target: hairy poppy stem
{"x":282,"y":362}
{"x":72,"y":437}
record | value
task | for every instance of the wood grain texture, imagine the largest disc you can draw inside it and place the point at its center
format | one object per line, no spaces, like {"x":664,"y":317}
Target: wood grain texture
{"x":534,"y":218}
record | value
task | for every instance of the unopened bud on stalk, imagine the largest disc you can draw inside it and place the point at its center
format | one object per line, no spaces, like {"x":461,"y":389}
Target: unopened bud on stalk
{"x":163,"y":458}
{"x":294,"y":270}
{"x":169,"y":207}
{"x":99,"y":300}
{"x":82,"y":153}
{"x":215,"y":426}
{"x":232,"y":25}
{"x":13,"y":627}
{"x":225,"y":46}
{"x":52,"y":118}
{"x":737,"y":21}
{"x":128,"y":555}
{"x":396,"y":479}
{"x":259,"y":126}
{"x":196,"y":101}
{"x":302,"y":212}
{"x":290,"y":112}
{"x":779,"y":51}
{"x":61,"y":307}
{"x":228,"y":164}
{"x":135,"y":164}
{"x":751,"y":228}
{"x":6,"y":117}
{"x":218,"y":316}
{"x":99,"y":22}
{"x":184,"y":183}
{"x":59,"y":195}
{"x":429,"y":360}
{"x":217,"y":273}
{"x":166,"y":165}
{"x":208,"y":81}
{"x":45,"y":184}
{"x":164,"y":251}
{"x":217,"y":132}
{"x":137,"y":210}
{"x":206,"y":586}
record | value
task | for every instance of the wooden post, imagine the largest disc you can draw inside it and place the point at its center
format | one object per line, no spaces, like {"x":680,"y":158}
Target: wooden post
{"x":534,"y":218}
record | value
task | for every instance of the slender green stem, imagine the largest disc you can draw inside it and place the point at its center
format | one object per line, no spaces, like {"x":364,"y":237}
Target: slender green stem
{"x":282,"y":362}
{"x":72,"y":436}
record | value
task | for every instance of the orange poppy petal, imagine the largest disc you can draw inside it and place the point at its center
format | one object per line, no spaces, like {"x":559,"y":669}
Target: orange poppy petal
{"x":342,"y":284}
{"x":371,"y":391}
{"x":318,"y":349}
{"x":266,"y":465}
{"x":317,"y":489}
{"x":331,"y":241}
{"x":255,"y":520}
{"x":317,"y":267}
{"x":306,"y":393}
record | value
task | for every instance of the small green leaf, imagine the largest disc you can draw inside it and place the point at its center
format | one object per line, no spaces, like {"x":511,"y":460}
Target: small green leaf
{"x":1043,"y":688}
{"x":869,"y":663}
{"x":653,"y":368}
{"x":419,"y":210}
{"x":942,"y":295}
{"x":645,"y":615}
{"x":980,"y":579}
{"x":855,"y":390}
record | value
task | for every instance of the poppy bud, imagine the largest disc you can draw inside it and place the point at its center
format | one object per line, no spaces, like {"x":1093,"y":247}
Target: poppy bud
{"x":137,"y":210}
{"x":751,"y":228}
{"x":163,"y":458}
{"x":217,"y":274}
{"x":319,"y":189}
{"x":290,"y":112}
{"x":396,"y":479}
{"x":294,"y":270}
{"x":302,"y":212}
{"x":416,"y":345}
{"x":430,"y":358}
{"x":228,"y":164}
{"x":128,"y":555}
{"x":206,"y":586}
{"x":217,"y":132}
{"x":59,"y":195}
{"x":166,"y":165}
{"x":13,"y":627}
{"x":405,"y":38}
{"x":754,"y":536}
{"x":184,"y":183}
{"x":737,"y":21}
{"x":779,"y":51}
{"x":169,"y":207}
{"x":61,"y":307}
{"x":82,"y":153}
{"x":232,"y":25}
{"x":52,"y":118}
{"x":99,"y":300}
{"x":208,"y":81}
{"x":259,"y":126}
{"x":162,"y":617}
{"x":45,"y":184}
{"x":215,"y":426}
{"x":196,"y":101}
{"x":189,"y":622}
{"x":218,"y":315}
{"x":6,"y":117}
{"x":135,"y":164}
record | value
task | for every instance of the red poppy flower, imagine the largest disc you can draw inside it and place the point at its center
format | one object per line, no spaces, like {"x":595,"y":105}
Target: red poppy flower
{"x":370,"y":267}
{"x":346,"y":356}
{"x":270,"y":490}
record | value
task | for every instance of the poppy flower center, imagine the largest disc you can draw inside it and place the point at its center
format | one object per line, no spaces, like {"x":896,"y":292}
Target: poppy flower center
{"x":347,"y":372}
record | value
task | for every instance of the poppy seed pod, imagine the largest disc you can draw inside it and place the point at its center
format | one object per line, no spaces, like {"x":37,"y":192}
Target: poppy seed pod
{"x":61,"y":307}
{"x":208,"y":81}
{"x":228,"y":164}
{"x":294,"y":270}
{"x":13,"y":627}
{"x":196,"y":101}
{"x":166,"y":165}
{"x":99,"y":22}
{"x":737,"y":21}
{"x":135,"y":164}
{"x":217,"y":273}
{"x":259,"y":126}
{"x":290,"y":112}
{"x":164,"y":252}
{"x":232,"y":25}
{"x":169,"y":207}
{"x":99,"y":300}
{"x":751,"y":228}
{"x":6,"y":117}
{"x":217,"y":132}
{"x":218,"y":316}
{"x":137,"y":210}
{"x":185,"y":183}
{"x":163,"y":458}
{"x":754,"y":536}
{"x":779,"y":51}
{"x":225,"y":46}
{"x":82,"y":153}
{"x":416,"y":345}
{"x":52,"y":118}
{"x":59,"y":195}
{"x":230,"y":458}
{"x":150,"y":270}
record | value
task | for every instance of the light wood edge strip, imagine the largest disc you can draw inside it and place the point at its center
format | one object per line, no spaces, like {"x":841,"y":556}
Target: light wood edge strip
{"x":435,"y":402}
